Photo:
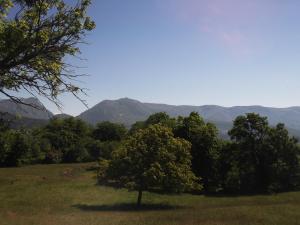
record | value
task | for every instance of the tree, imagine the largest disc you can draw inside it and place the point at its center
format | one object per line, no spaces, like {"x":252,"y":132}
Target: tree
{"x":151,"y":159}
{"x":136,"y":127}
{"x":205,"y":145}
{"x":68,"y":139}
{"x":156,"y":118}
{"x":98,"y":149}
{"x":107,"y":131}
{"x":282,"y":170}
{"x":4,"y":129}
{"x":261,"y":158}
{"x":34,"y":43}
{"x":249,"y":133}
{"x":161,"y":118}
{"x":19,"y":143}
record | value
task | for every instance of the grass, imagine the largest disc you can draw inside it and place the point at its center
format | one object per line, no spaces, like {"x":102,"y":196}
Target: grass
{"x":68,"y":194}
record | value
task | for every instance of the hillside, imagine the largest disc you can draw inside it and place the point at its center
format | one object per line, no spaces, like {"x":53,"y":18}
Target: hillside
{"x":128,"y":111}
{"x":23,"y":115}
{"x":39,"y":111}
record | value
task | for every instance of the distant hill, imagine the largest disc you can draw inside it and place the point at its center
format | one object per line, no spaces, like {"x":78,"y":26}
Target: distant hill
{"x":38,"y":112}
{"x":25,"y":116}
{"x":128,"y":111}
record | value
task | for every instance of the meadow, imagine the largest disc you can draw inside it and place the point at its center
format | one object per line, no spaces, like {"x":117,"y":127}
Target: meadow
{"x":68,"y":194}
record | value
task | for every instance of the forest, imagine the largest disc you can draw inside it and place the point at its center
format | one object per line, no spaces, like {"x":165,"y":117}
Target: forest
{"x":164,"y":154}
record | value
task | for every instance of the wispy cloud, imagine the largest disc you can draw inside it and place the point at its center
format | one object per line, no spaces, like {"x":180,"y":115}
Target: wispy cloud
{"x":227,"y":21}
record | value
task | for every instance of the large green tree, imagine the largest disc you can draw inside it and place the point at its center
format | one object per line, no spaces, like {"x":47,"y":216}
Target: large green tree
{"x":68,"y":139}
{"x":151,"y":159}
{"x":19,"y":147}
{"x":107,"y":131}
{"x":283,"y":158}
{"x":261,"y":158}
{"x":249,"y":133}
{"x":36,"y":36}
{"x":205,"y":145}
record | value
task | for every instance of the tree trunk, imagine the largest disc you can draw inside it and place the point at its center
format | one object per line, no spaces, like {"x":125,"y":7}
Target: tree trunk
{"x":139,"y":200}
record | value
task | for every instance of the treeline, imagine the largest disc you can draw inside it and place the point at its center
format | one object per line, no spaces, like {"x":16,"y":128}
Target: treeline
{"x":60,"y":141}
{"x":258,"y":158}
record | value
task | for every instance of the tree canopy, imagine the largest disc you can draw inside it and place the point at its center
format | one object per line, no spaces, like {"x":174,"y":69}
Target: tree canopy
{"x":260,"y":158}
{"x":204,"y":139}
{"x":107,"y":131}
{"x":151,"y":159}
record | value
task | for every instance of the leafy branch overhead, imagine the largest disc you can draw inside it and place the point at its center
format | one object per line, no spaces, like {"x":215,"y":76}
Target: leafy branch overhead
{"x":35,"y":38}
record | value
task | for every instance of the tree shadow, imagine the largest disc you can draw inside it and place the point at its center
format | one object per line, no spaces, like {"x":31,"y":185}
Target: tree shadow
{"x":231,"y":195}
{"x":127,"y":207}
{"x":237,"y":195}
{"x":92,"y":168}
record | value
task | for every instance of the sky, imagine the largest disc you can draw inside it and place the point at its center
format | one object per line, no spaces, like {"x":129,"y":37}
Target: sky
{"x":191,"y":52}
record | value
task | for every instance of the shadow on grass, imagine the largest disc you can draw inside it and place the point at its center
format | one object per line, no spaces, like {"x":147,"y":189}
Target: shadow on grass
{"x":126,"y":207}
{"x":237,"y":195}
{"x":92,"y":168}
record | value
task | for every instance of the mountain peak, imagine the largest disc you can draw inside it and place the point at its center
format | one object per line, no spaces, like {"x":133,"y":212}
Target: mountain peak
{"x":38,"y":111}
{"x":128,"y":111}
{"x":127,"y":100}
{"x":33,"y":101}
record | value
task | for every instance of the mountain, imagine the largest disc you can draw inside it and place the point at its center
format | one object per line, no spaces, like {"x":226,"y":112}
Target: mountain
{"x":128,"y":111}
{"x":39,"y":111}
{"x":23,"y":115}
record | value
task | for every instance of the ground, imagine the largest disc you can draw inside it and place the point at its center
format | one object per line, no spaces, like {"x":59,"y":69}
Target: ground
{"x":68,"y":194}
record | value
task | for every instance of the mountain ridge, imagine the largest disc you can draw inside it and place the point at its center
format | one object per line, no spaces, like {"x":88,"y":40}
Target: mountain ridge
{"x":118,"y":111}
{"x":128,"y":111}
{"x":38,"y":111}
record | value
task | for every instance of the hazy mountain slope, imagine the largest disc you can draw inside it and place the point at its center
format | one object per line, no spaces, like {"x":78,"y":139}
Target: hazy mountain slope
{"x":24,"y":116}
{"x":128,"y":111}
{"x":125,"y":111}
{"x":40,"y":113}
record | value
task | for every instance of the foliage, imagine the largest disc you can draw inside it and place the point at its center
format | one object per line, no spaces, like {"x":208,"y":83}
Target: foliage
{"x":283,"y":160}
{"x":35,"y":39}
{"x":107,"y":131}
{"x":151,"y":159}
{"x":261,"y":158}
{"x":205,"y":145}
{"x":137,"y":126}
{"x":98,"y":149}
{"x":68,"y":137}
{"x":19,"y":147}
{"x":161,"y":118}
{"x":164,"y":154}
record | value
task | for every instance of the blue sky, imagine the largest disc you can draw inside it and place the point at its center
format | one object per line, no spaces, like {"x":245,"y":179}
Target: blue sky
{"x":224,"y":52}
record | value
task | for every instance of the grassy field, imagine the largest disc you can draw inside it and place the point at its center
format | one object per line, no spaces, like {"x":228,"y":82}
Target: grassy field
{"x":68,"y":194}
